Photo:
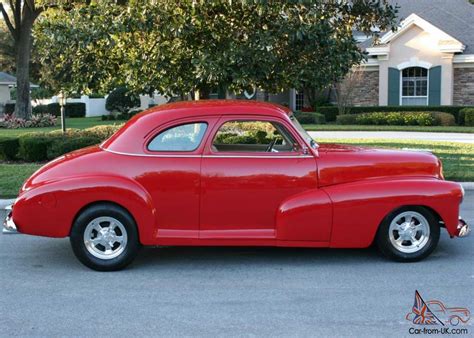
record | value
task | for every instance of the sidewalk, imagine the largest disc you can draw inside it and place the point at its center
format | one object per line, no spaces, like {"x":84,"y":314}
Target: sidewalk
{"x":396,"y":135}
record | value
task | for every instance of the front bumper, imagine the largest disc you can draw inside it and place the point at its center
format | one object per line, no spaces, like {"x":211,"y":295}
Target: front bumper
{"x":463,"y":228}
{"x":9,"y":226}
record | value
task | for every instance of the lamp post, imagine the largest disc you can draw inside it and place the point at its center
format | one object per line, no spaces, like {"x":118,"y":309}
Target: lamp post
{"x":62,"y":104}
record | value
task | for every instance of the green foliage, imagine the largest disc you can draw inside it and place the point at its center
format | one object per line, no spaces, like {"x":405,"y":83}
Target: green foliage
{"x":331,"y":112}
{"x":462,"y":114}
{"x":390,"y":118}
{"x":444,"y":119}
{"x":34,"y":148}
{"x":468,"y":114}
{"x":9,"y":108}
{"x":121,"y":100}
{"x":310,"y":118}
{"x":72,"y":109}
{"x":346,"y":119}
{"x":8,"y":148}
{"x":63,"y":145}
{"x":177,"y":47}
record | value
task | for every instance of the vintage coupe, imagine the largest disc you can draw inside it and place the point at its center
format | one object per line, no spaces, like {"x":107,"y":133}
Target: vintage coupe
{"x":235,"y":173}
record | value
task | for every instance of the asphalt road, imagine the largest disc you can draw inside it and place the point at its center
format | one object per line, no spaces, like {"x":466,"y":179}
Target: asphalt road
{"x":227,"y":291}
{"x":395,"y":135}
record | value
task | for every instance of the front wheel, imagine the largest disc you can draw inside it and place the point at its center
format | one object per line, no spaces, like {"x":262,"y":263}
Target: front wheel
{"x":408,"y":234}
{"x":104,"y":237}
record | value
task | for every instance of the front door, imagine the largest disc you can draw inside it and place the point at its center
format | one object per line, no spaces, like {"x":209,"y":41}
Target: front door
{"x":249,"y":167}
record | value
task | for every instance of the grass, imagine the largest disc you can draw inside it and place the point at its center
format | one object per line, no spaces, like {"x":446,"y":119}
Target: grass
{"x":76,"y":123}
{"x":458,"y":161}
{"x":12,"y":177}
{"x":435,"y":129}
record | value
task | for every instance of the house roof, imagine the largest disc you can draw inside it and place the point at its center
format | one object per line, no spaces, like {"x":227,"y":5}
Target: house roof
{"x":7,"y":79}
{"x":10,"y":80}
{"x":454,"y":17}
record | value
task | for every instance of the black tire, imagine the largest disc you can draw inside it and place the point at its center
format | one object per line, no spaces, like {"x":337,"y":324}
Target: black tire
{"x":385,"y":246}
{"x":127,"y":252}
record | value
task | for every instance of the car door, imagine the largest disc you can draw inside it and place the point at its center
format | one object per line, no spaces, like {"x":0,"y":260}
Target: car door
{"x":171,"y":173}
{"x":244,"y":180}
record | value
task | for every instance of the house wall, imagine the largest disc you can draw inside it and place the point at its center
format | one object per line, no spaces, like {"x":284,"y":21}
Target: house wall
{"x":417,"y":46}
{"x":365,"y":90}
{"x":463,"y":90}
{"x":4,"y":94}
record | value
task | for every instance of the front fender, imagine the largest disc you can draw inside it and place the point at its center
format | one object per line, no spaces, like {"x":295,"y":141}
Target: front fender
{"x":360,"y":207}
{"x":49,"y":209}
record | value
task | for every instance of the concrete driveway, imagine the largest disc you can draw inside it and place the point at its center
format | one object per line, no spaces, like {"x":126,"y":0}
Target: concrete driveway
{"x":395,"y":135}
{"x":227,"y":291}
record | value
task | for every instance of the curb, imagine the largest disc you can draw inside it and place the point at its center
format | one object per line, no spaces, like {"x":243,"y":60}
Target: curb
{"x":5,"y":202}
{"x":467,"y":185}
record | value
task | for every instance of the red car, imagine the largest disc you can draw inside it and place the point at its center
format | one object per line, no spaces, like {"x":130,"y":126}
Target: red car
{"x":235,"y":173}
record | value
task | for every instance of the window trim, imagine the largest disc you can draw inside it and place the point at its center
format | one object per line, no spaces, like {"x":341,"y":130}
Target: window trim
{"x":208,"y":152}
{"x":427,"y":97}
{"x":171,"y":126}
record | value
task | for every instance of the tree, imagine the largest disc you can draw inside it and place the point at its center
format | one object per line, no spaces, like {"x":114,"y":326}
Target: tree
{"x":180,"y":47}
{"x":20,"y":21}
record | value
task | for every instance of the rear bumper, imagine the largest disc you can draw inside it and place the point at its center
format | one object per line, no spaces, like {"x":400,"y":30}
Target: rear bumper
{"x":9,"y":226}
{"x":463,"y":228}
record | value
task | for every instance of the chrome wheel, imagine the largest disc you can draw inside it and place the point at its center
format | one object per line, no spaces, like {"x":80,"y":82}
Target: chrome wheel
{"x":409,"y":232}
{"x":105,"y":237}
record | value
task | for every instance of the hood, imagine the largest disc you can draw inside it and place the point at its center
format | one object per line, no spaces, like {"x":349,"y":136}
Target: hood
{"x":343,"y":164}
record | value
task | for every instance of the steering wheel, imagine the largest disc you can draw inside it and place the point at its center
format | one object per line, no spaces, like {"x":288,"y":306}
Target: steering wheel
{"x":270,"y":146}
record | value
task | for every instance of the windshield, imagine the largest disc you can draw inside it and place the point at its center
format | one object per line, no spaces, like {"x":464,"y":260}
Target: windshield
{"x":303,"y":132}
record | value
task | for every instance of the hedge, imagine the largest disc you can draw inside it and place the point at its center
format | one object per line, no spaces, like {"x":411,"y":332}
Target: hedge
{"x":9,"y":108}
{"x":398,"y":119}
{"x":468,"y":116}
{"x":73,"y":109}
{"x":310,"y":118}
{"x":331,"y":112}
{"x":63,"y":145}
{"x":8,"y":148}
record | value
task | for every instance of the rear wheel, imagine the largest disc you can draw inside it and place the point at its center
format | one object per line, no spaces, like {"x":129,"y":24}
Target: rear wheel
{"x":408,"y":234}
{"x":104,"y":237}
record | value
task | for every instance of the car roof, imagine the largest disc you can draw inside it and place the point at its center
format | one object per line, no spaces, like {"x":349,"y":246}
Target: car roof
{"x":130,"y":137}
{"x":221,"y":107}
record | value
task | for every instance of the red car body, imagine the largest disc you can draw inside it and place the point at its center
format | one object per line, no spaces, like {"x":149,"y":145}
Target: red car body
{"x":331,"y":196}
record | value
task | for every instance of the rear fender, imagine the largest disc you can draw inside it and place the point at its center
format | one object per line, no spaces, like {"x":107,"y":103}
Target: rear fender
{"x":49,"y":209}
{"x":360,"y":207}
{"x":306,"y":216}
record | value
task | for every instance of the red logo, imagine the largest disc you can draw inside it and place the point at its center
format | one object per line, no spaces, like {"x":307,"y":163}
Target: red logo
{"x":434,"y":312}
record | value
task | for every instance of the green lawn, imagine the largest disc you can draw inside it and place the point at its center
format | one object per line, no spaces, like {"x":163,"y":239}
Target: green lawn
{"x":76,"y":123}
{"x":458,"y":161}
{"x":436,"y":129}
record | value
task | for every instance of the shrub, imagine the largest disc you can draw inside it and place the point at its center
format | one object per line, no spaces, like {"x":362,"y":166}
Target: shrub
{"x":34,"y":147}
{"x":389,"y":118}
{"x":8,"y":148}
{"x":72,"y":109}
{"x":444,"y":119}
{"x":36,"y":121}
{"x":346,"y":119}
{"x":9,"y":108}
{"x":331,"y":112}
{"x":62,"y":145}
{"x":462,"y":115}
{"x":101,"y":132}
{"x":122,"y":100}
{"x":310,"y":118}
{"x":468,"y":116}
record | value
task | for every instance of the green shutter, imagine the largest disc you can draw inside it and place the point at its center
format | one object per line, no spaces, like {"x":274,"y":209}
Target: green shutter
{"x":434,"y":94}
{"x":393,"y":87}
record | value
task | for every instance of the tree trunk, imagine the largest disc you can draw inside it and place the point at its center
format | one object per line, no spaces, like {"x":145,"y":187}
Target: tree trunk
{"x":23,"y":55}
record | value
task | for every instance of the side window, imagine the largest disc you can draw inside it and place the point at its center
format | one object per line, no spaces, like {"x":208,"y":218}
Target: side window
{"x":253,"y":136}
{"x":185,"y":137}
